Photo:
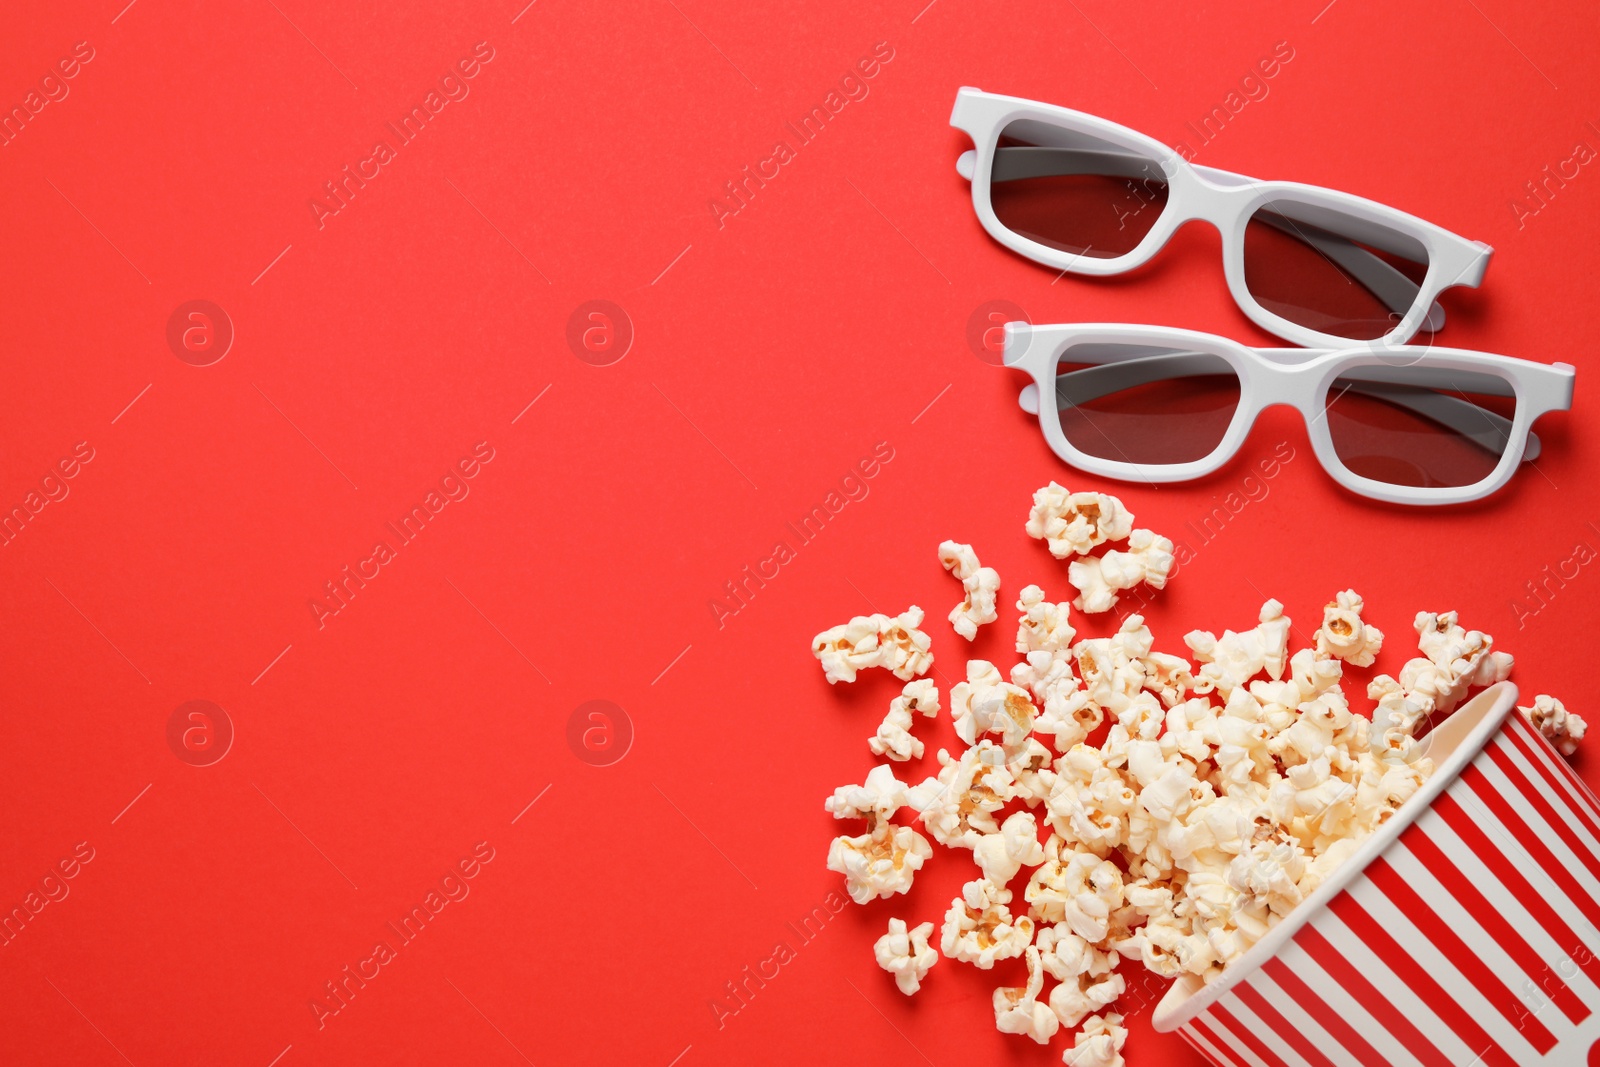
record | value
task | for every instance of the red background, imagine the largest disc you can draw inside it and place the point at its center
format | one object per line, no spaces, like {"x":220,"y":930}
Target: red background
{"x":770,"y":355}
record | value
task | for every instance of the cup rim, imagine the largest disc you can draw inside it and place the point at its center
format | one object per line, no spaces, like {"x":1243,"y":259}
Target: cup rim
{"x":1499,"y":699}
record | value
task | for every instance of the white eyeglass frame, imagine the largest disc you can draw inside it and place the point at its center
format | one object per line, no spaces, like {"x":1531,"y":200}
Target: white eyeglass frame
{"x":1225,"y":200}
{"x":1297,"y":377}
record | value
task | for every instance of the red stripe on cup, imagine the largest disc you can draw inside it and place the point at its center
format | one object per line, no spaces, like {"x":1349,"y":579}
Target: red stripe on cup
{"x":1330,"y":1020}
{"x":1493,"y":921}
{"x":1450,"y":945}
{"x":1224,"y":1049}
{"x":1500,"y":752}
{"x":1274,"y":1020}
{"x":1578,"y":788}
{"x":1506,"y":871}
{"x":1246,"y":1037}
{"x":1555,"y":771}
{"x":1486,"y":793}
{"x":1369,"y":997}
{"x":1416,"y":977}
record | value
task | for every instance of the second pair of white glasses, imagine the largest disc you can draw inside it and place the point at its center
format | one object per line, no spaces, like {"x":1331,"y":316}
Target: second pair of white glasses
{"x":1350,"y":278}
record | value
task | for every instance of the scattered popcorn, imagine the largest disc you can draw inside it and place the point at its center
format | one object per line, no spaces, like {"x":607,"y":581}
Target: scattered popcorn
{"x":1220,"y":790}
{"x":1017,"y":1009}
{"x":893,"y":738}
{"x":979,"y":929}
{"x":1098,"y":579}
{"x":906,"y":954}
{"x":981,"y":585}
{"x":875,"y":641}
{"x":881,"y":862}
{"x":1344,"y":635}
{"x":1073,"y":523}
{"x":1562,"y":728}
{"x":1003,"y":854}
{"x":1098,"y":1044}
{"x":1044,"y":626}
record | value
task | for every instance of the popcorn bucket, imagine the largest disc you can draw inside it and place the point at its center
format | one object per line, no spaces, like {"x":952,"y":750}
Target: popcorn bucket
{"x":1465,"y":931}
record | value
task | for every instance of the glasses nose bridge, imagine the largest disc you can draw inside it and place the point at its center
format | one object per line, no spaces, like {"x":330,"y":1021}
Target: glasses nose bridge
{"x":1291,"y":385}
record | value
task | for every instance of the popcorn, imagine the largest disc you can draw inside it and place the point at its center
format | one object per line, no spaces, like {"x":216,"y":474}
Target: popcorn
{"x":1017,"y":1009}
{"x":1001,"y":855}
{"x":879,"y":863}
{"x":906,"y":954}
{"x":985,"y":704}
{"x":1344,"y":635}
{"x":1562,"y":728}
{"x":1098,"y":579}
{"x":979,"y":929}
{"x":875,"y":641}
{"x":877,"y":799}
{"x":1098,"y":1044}
{"x":1233,"y":659}
{"x":981,"y":585}
{"x":1072,"y":1000}
{"x":1220,"y":793}
{"x":893,"y":738}
{"x":1044,"y":626}
{"x":1073,"y":523}
{"x":958,"y":806}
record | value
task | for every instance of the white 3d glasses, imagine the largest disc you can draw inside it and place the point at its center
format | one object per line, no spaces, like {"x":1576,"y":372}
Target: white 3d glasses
{"x":1405,"y":424}
{"x":1314,"y":266}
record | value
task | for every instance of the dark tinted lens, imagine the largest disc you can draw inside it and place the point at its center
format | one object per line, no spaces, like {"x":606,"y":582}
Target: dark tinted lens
{"x":1073,"y":192}
{"x":1331,"y":272}
{"x":1420,"y":427}
{"x":1152,"y":405}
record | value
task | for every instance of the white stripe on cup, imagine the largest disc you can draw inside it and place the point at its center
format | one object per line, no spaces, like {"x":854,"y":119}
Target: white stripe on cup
{"x":1402,"y":996}
{"x":1199,"y":1042}
{"x":1582,"y":798}
{"x":1569,"y":860}
{"x":1297,"y":1016}
{"x":1559,"y":802}
{"x":1347,"y":1006}
{"x":1505,"y":901}
{"x":1500,"y":963}
{"x":1538,"y":878}
{"x":1455,"y":984}
{"x":1263,"y":1033}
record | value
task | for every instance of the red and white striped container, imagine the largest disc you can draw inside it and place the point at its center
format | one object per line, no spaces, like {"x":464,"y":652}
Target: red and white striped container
{"x":1466,"y":931}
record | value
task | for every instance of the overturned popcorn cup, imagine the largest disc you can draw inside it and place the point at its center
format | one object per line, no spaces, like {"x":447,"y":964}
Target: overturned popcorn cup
{"x":1466,"y":930}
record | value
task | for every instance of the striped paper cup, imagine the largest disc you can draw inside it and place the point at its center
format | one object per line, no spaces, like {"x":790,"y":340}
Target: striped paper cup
{"x":1465,"y":931}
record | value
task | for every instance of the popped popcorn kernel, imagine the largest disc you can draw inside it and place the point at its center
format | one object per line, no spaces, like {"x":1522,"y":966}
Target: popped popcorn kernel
{"x":981,"y":584}
{"x":1562,"y":728}
{"x":979,"y":929}
{"x":1017,"y":1009}
{"x":906,"y":954}
{"x":1344,"y":635}
{"x":1098,"y":1044}
{"x":1044,"y":626}
{"x":1073,"y":523}
{"x":894,"y":738}
{"x":1098,"y":579}
{"x":895,"y":644}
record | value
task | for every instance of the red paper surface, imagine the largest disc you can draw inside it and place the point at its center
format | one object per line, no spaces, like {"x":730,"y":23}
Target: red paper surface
{"x":772,"y":349}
